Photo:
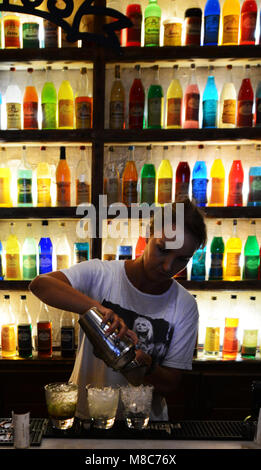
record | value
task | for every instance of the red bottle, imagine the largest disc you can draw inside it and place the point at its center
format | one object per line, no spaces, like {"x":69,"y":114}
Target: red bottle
{"x":245,"y":102}
{"x":235,"y":181}
{"x":248,"y":22}
{"x":140,"y":246}
{"x":182,"y":181}
{"x":133,"y":34}
{"x":136,"y":102}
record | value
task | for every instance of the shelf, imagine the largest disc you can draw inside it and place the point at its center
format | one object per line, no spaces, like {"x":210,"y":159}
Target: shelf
{"x":39,"y":213}
{"x":40,"y":136}
{"x":14,"y":285}
{"x":250,"y":285}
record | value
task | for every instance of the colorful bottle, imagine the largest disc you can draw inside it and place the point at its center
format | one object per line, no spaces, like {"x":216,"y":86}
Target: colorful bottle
{"x":12,"y":256}
{"x":198,"y":269}
{"x":43,"y":178}
{"x":230,"y":22}
{"x":130,"y":180}
{"x":210,"y":101}
{"x":182,"y":181}
{"x":117,"y":102}
{"x":174,"y":102}
{"x":148,"y":180}
{"x":172,"y":26}
{"x":5,"y":181}
{"x":199,"y":181}
{"x":2,"y":274}
{"x":217,"y":248}
{"x":191,"y":102}
{"x":250,"y":334}
{"x":83,"y":103}
{"x":258,"y":104}
{"x":45,"y":250}
{"x":30,"y":32}
{"x":164,"y":180}
{"x":63,"y":251}
{"x":152,"y":19}
{"x":13,"y":99}
{"x":248,"y":22}
{"x":228,"y":101}
{"x":112,"y":180}
{"x":251,"y":254}
{"x":24,"y":181}
{"x":8,"y":329}
{"x":44,"y":333}
{"x":212,"y":336}
{"x":30,"y":103}
{"x":12,"y":38}
{"x":230,"y":341}
{"x":254,"y":195}
{"x":81,"y":248}
{"x":245,"y":101}
{"x":29,"y":255}
{"x":235,"y":184}
{"x":140,"y":246}
{"x":109,"y":248}
{"x":211,"y":22}
{"x":136,"y":101}
{"x":67,"y":334}
{"x":217,"y":175}
{"x":232,"y":270}
{"x":65,"y":103}
{"x":192,"y":24}
{"x":24,"y":330}
{"x":50,"y":34}
{"x":133,"y":34}
{"x":155,"y":103}
{"x":83,"y":187}
{"x":63,"y":180}
{"x":49,"y":103}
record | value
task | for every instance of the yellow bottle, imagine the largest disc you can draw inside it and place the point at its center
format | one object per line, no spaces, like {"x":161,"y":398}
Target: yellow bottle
{"x":117,"y":102}
{"x":8,"y":329}
{"x":217,"y":174}
{"x":174,"y":103}
{"x":12,"y":256}
{"x":65,"y":103}
{"x":164,"y":181}
{"x":43,"y":175}
{"x":230,"y":22}
{"x":5,"y":183}
{"x":233,"y":250}
{"x":212,"y":336}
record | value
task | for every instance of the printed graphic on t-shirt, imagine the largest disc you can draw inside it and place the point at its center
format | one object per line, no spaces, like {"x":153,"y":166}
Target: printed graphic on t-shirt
{"x":154,"y":334}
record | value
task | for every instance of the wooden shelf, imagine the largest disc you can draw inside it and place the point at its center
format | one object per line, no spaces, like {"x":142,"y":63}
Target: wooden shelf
{"x":54,"y":136}
{"x":244,"y":285}
{"x":39,"y":213}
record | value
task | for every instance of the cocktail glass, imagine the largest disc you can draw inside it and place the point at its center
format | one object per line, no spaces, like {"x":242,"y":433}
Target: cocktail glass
{"x":103,"y":405}
{"x":61,"y":400}
{"x":137,"y":405}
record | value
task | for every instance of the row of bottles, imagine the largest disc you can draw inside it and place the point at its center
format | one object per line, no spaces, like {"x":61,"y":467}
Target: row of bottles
{"x":31,"y":258}
{"x":34,"y":187}
{"x":228,"y":110}
{"x":157,"y":186}
{"x":51,"y":110}
{"x":17,"y":331}
{"x":232,"y":25}
{"x":228,"y":335}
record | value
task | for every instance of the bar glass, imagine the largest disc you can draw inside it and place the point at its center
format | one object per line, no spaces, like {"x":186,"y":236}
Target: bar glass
{"x":136,"y":405}
{"x":61,"y":400}
{"x":103,"y":405}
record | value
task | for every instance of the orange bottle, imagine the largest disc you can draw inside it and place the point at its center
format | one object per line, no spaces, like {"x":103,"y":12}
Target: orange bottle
{"x":30,"y":104}
{"x":130,"y":181}
{"x":217,"y":175}
{"x":63,"y":181}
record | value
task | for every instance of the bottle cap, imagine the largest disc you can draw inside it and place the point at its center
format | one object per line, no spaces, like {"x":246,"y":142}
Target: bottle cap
{"x":45,"y":222}
{"x":6,"y":296}
{"x":42,"y":147}
{"x":62,"y":153}
{"x":111,"y":149}
{"x":193,"y":12}
{"x":233,"y":296}
{"x":252,"y":298}
{"x":23,"y":297}
{"x":214,"y":298}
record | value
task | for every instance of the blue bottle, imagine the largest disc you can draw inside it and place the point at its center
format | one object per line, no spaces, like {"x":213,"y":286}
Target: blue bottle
{"x":199,"y":183}
{"x":258,"y":104}
{"x":1,"y":262}
{"x":81,"y":251}
{"x":45,"y":250}
{"x":254,"y":194}
{"x":210,"y":102}
{"x":198,"y":270}
{"x":211,"y":23}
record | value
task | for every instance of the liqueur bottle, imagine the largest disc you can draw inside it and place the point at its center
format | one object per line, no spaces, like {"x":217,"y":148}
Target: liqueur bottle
{"x":212,"y":336}
{"x":152,"y":19}
{"x":65,"y":103}
{"x":164,"y":180}
{"x":43,"y":179}
{"x":228,"y":101}
{"x":233,"y":249}
{"x":24,"y":181}
{"x":210,"y":102}
{"x":12,"y":256}
{"x":49,"y":103}
{"x":230,"y":341}
{"x":172,"y":26}
{"x":148,"y":180}
{"x":174,"y":102}
{"x":117,"y":102}
{"x":155,"y":103}
{"x":109,"y":248}
{"x":133,"y":34}
{"x":191,"y":102}
{"x":217,"y":175}
{"x":112,"y":180}
{"x":30,"y":32}
{"x":83,"y":103}
{"x":12,"y":37}
{"x":8,"y":329}
{"x":44,"y":332}
{"x":81,"y":248}
{"x":82,"y":187}
{"x":2,"y":274}
{"x":63,"y":251}
{"x":24,"y":330}
{"x":30,"y":103}
{"x":29,"y":255}
{"x":251,"y":254}
{"x":45,"y":250}
{"x":254,"y":194}
{"x":199,"y":180}
{"x":50,"y":34}
{"x":230,"y":22}
{"x":248,"y":19}
{"x":5,"y":181}
{"x":217,"y":248}
{"x":258,"y":104}
{"x":13,"y":99}
{"x":67,"y":325}
{"x":136,"y":101}
{"x":245,"y":101}
{"x":130,"y":180}
{"x":192,"y":24}
{"x":250,"y":333}
{"x":198,"y":269}
{"x":140,"y":246}
{"x":63,"y":180}
{"x":211,"y":22}
{"x":236,"y":179}
{"x":182,"y":181}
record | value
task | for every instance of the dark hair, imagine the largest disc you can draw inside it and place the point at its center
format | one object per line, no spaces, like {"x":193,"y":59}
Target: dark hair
{"x":193,"y":221}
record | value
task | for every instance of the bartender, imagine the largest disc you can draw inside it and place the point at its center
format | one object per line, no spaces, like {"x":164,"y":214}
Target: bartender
{"x":142,"y":300}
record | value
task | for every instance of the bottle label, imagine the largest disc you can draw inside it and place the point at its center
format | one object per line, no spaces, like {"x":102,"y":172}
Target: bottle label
{"x":148,"y":190}
{"x":81,"y":255}
{"x":49,"y":116}
{"x":245,"y":116}
{"x":30,"y":115}
{"x":82,"y":192}
{"x":8,"y":338}
{"x":209,"y":113}
{"x":24,"y":186}
{"x":199,"y":190}
{"x":212,"y":341}
{"x":258,"y":111}
{"x":112,"y":190}
{"x":211,"y":26}
{"x":24,"y":338}
{"x":44,"y":336}
{"x":164,"y":190}
{"x":193,"y":27}
{"x":251,"y":267}
{"x":12,"y":266}
{"x":174,"y":112}
{"x":191,"y":106}
{"x":43,"y":191}
{"x":4,"y":190}
{"x":83,"y":114}
{"x":136,"y":110}
{"x":230,"y":29}
{"x":13,"y":111}
{"x":30,"y":34}
{"x":152,"y":31}
{"x":50,"y":34}
{"x":172,"y":34}
{"x":216,"y":268}
{"x":129,"y":193}
{"x":154,"y":112}
{"x":181,"y":190}
{"x":233,"y":265}
{"x":67,"y":338}
{"x":29,"y":266}
{"x":62,"y":262}
{"x":45,"y":263}
{"x":12,"y":33}
{"x":134,"y":33}
{"x":116,"y":115}
{"x":109,"y":257}
{"x":65,"y":113}
{"x":229,"y":112}
{"x":235,"y":194}
{"x":255,"y":188}
{"x":217,"y":191}
{"x":63,"y":193}
{"x":248,"y":26}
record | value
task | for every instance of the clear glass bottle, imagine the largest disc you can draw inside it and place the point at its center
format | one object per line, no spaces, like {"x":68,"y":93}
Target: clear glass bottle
{"x":29,"y":254}
{"x":24,"y":181}
{"x":13,"y":98}
{"x":8,"y":329}
{"x":44,"y":332}
{"x":83,"y":186}
{"x":112,"y":180}
{"x":63,"y":250}
{"x":83,"y":102}
{"x":212,"y":336}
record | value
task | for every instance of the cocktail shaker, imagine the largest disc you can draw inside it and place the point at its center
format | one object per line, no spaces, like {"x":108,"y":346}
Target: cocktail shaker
{"x":116,"y":353}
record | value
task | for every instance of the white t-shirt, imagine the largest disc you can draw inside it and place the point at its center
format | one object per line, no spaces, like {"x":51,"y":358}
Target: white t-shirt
{"x":165,"y":324}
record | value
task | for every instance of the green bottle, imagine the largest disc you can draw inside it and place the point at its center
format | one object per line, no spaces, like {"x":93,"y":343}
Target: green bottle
{"x":24,"y":182}
{"x":251,"y":255}
{"x":217,"y":249}
{"x":49,"y":103}
{"x":152,"y":17}
{"x":148,"y":180}
{"x":29,"y":255}
{"x":155,"y":103}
